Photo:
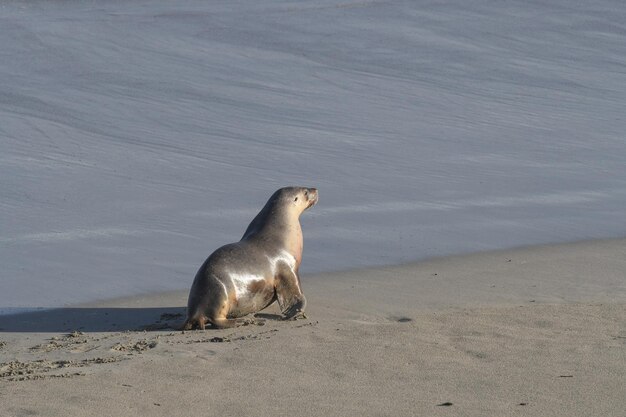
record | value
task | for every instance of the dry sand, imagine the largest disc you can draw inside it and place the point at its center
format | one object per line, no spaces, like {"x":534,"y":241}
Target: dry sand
{"x":537,"y":331}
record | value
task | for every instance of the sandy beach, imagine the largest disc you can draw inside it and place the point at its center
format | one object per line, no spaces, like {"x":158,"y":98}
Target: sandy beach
{"x":530,"y":331}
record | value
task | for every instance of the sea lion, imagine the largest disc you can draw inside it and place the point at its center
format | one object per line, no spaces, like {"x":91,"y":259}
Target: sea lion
{"x":245,"y":277}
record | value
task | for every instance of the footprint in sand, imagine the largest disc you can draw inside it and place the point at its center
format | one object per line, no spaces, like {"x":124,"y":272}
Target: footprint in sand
{"x":135,"y":347}
{"x":76,"y":342}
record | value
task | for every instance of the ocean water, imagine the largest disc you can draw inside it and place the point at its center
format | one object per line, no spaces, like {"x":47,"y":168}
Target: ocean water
{"x":136,"y":137}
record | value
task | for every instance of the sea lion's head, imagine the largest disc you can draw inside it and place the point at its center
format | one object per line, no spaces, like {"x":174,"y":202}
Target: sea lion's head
{"x":298,"y":198}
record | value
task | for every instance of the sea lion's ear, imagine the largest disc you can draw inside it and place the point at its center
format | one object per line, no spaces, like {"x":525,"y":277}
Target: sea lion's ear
{"x":296,"y":199}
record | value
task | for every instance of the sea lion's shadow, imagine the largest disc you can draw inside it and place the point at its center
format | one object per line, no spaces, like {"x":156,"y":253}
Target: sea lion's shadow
{"x":104,"y":319}
{"x":269,"y":316}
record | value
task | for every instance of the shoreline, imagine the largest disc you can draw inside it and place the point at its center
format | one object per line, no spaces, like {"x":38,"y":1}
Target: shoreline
{"x":147,"y":297}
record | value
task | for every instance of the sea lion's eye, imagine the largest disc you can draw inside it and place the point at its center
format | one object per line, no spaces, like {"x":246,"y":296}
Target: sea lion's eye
{"x":296,"y":199}
{"x":306,"y":192}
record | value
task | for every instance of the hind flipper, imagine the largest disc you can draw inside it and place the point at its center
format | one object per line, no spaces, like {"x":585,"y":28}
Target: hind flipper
{"x":194,"y":323}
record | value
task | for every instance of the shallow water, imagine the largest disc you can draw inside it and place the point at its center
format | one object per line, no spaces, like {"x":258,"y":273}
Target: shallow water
{"x":137,"y":137}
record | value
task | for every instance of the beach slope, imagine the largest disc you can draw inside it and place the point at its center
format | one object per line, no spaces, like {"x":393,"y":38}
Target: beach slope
{"x":531,"y":331}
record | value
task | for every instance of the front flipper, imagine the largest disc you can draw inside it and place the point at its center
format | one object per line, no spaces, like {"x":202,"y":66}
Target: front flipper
{"x":289,"y":294}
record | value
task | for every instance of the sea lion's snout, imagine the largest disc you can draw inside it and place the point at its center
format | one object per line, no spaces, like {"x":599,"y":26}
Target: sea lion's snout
{"x":312,"y":196}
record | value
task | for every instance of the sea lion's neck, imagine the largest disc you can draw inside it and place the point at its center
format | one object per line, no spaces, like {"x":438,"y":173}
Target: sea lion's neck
{"x":279,"y":225}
